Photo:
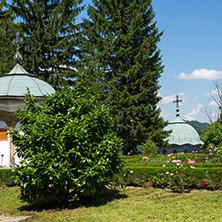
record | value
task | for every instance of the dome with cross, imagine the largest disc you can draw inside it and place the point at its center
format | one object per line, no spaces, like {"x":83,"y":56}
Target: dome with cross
{"x":183,"y":137}
{"x":14,"y":85}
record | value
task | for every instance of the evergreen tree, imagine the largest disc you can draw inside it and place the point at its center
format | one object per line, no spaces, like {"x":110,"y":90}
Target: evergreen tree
{"x":50,"y":37}
{"x":7,"y":33}
{"x":121,"y":55}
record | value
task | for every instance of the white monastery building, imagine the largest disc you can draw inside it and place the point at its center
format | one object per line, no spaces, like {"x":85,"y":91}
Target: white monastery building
{"x":13,"y":87}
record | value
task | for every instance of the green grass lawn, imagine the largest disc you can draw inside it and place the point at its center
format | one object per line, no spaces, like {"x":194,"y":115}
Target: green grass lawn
{"x":129,"y":204}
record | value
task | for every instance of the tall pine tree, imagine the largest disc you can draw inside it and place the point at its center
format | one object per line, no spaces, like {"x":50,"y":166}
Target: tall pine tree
{"x":51,"y":37}
{"x":7,"y":33}
{"x":121,"y":55}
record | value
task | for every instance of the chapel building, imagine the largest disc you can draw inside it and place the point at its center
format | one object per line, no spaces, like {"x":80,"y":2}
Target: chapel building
{"x":13,"y":87}
{"x":183,"y":137}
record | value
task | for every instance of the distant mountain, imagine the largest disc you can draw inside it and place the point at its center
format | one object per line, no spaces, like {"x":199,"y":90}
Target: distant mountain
{"x":198,"y":126}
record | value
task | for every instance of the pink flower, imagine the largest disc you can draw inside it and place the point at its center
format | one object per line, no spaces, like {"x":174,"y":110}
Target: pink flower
{"x":171,"y":174}
{"x":192,"y":167}
{"x":173,"y":157}
{"x":211,"y":146}
{"x":167,"y":173}
{"x":148,"y":184}
{"x":190,"y":161}
{"x":210,"y":150}
{"x":210,"y":153}
{"x":205,"y":182}
{"x":145,"y":158}
{"x":196,"y":157}
{"x":178,"y":164}
{"x":131,"y":171}
{"x":181,"y":165}
{"x":164,"y":165}
{"x":168,"y":161}
{"x":174,"y":161}
{"x":178,"y":161}
{"x":218,"y":151}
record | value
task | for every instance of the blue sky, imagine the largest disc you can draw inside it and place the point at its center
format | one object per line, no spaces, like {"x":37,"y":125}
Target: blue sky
{"x":191,"y":49}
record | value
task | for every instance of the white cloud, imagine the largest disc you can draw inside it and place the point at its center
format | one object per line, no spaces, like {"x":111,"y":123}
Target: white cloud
{"x":202,"y":74}
{"x":213,"y":92}
{"x":213,"y":103}
{"x":169,"y":99}
{"x":193,"y":114}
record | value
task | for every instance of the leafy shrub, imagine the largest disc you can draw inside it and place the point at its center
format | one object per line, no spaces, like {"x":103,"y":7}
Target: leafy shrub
{"x":7,"y":177}
{"x":215,"y":155}
{"x":68,"y":148}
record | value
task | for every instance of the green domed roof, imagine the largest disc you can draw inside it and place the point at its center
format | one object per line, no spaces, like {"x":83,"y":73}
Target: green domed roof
{"x":182,"y":133}
{"x":16,"y":82}
{"x":13,"y":85}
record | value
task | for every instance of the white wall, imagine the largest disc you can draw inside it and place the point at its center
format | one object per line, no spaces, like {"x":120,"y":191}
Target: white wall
{"x":17,"y":159}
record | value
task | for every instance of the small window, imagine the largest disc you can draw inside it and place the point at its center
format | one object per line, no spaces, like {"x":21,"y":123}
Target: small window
{"x":3,"y":135}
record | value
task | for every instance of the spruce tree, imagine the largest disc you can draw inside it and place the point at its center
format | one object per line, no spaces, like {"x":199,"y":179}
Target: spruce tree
{"x":7,"y":33}
{"x":122,"y":58}
{"x":51,"y":37}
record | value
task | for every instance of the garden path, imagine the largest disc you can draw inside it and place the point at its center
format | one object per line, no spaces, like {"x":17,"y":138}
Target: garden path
{"x":7,"y":218}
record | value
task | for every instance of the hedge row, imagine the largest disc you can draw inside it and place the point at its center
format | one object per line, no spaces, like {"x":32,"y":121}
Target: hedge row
{"x":149,"y":171}
{"x":7,"y":177}
{"x":199,"y":158}
{"x":156,"y":177}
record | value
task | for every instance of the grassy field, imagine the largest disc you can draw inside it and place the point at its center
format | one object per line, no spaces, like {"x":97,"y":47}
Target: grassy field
{"x":128,"y":204}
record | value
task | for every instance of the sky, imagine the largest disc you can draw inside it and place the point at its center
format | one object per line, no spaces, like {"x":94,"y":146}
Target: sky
{"x":191,"y":50}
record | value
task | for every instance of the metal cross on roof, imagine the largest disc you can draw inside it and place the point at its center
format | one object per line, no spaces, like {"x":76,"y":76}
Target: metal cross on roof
{"x":17,"y":41}
{"x":177,"y":101}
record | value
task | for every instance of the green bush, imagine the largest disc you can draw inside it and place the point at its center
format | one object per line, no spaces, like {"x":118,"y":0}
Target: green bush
{"x":68,"y":148}
{"x":151,"y":171}
{"x":7,"y":177}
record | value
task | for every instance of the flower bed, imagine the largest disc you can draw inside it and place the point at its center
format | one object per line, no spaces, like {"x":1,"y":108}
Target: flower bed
{"x":180,"y":172}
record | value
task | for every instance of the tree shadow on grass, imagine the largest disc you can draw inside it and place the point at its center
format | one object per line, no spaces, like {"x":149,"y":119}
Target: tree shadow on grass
{"x":98,"y":200}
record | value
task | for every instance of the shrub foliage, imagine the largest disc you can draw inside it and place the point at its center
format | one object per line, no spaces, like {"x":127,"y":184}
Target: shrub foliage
{"x":67,"y":146}
{"x":7,"y":177}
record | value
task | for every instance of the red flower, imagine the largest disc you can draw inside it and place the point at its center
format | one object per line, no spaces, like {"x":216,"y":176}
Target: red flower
{"x":143,"y":162}
{"x":140,"y":158}
{"x":148,"y":184}
{"x":205,"y":182}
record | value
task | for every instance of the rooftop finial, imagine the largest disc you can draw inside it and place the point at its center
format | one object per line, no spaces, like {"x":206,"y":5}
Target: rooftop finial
{"x":17,"y":41}
{"x":177,"y":101}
